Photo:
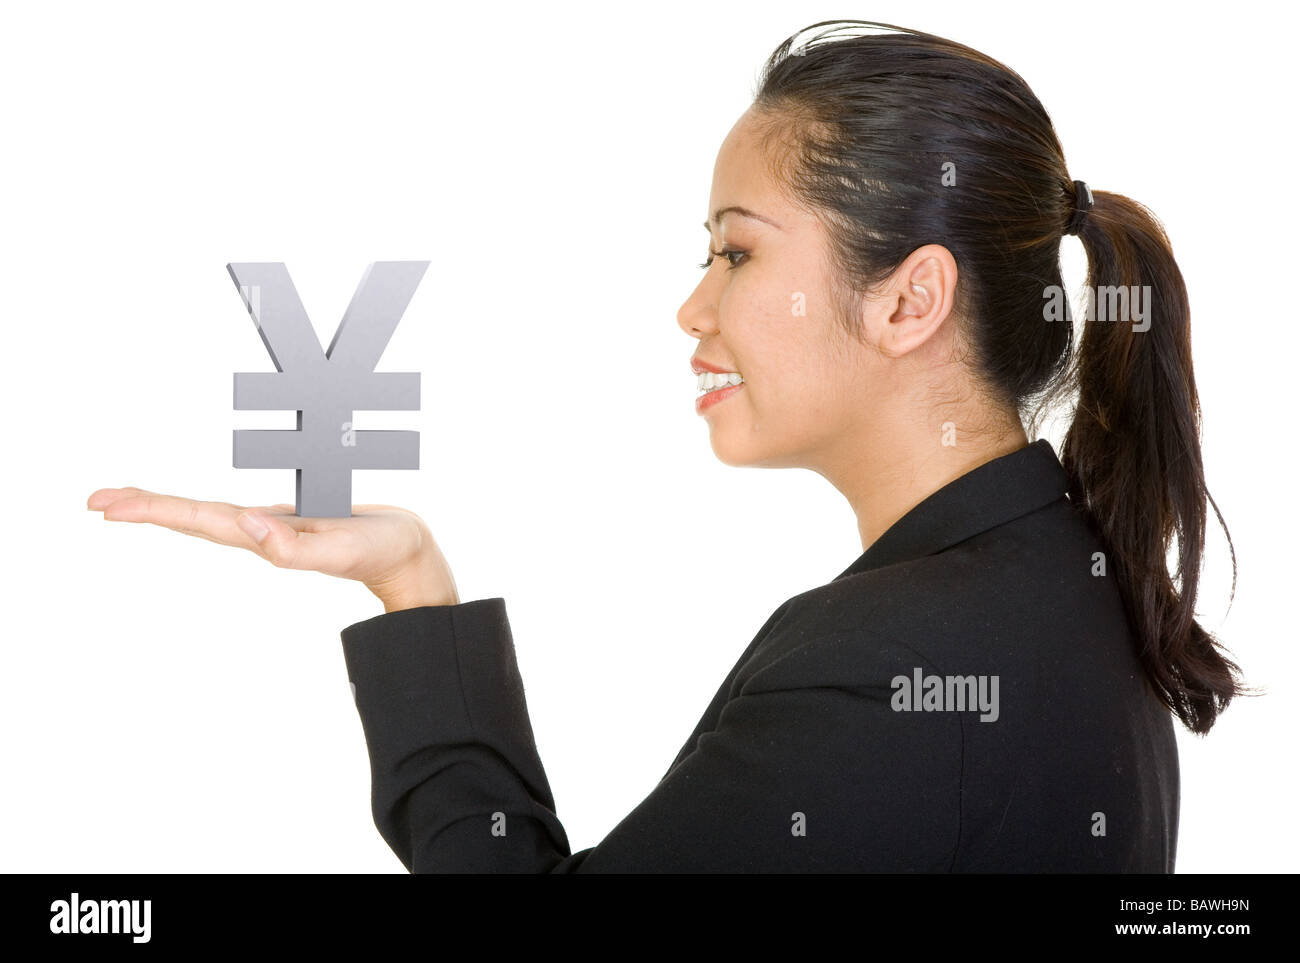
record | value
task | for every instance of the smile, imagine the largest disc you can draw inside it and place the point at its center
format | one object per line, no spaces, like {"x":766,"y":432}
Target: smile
{"x":711,"y":381}
{"x":716,"y":394}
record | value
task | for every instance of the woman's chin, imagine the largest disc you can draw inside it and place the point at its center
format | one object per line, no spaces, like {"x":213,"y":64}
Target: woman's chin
{"x":733,"y":451}
{"x":724,"y":448}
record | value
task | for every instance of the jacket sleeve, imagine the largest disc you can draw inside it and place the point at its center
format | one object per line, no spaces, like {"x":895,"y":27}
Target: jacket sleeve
{"x":809,"y":778}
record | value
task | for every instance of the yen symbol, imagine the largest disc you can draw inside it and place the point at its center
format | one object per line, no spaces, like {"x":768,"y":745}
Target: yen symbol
{"x":325,"y":387}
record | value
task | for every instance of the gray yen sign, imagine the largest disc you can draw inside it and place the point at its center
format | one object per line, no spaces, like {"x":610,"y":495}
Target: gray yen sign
{"x":326,"y":387}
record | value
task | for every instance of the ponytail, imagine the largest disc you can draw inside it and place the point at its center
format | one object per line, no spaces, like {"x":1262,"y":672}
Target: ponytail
{"x":1133,"y":451}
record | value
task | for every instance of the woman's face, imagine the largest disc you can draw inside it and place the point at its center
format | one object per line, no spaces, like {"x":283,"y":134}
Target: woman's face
{"x":765,"y":311}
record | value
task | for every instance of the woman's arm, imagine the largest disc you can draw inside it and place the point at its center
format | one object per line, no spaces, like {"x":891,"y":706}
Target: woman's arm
{"x":456,"y":782}
{"x":804,"y":778}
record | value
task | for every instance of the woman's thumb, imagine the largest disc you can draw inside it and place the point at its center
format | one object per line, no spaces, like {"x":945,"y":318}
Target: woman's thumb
{"x":255,"y":525}
{"x":277,"y":541}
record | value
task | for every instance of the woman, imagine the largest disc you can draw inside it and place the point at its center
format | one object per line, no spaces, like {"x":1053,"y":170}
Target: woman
{"x":991,"y":685}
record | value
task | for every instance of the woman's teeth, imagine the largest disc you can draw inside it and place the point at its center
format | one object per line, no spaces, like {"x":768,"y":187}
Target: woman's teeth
{"x":708,"y":381}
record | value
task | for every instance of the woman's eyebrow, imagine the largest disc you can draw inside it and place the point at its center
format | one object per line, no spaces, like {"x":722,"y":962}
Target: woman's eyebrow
{"x":743,"y":212}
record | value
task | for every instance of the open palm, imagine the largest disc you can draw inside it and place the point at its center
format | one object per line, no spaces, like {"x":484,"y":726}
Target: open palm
{"x":388,"y":549}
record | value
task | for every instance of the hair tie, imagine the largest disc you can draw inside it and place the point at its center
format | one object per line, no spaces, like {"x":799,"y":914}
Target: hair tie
{"x":1082,"y":205}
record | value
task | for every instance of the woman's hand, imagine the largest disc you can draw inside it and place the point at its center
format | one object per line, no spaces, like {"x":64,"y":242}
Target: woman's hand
{"x":389,"y":550}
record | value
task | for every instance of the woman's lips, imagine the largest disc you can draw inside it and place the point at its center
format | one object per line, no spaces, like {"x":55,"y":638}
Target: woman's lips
{"x":699,"y":365}
{"x":711,"y":398}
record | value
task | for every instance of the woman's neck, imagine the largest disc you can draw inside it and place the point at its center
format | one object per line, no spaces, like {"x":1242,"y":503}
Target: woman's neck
{"x":886,"y":482}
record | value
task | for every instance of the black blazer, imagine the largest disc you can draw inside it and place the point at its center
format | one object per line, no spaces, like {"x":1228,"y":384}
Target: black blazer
{"x":840,"y":740}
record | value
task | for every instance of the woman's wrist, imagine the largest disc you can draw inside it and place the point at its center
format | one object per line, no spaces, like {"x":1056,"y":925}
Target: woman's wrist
{"x":414,"y":600}
{"x":424,"y":582}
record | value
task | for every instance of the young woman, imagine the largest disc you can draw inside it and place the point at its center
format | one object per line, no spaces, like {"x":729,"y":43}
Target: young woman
{"x":992,"y":685}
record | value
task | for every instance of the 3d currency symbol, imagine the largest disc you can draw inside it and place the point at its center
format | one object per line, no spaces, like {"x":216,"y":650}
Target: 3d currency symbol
{"x":326,"y":387}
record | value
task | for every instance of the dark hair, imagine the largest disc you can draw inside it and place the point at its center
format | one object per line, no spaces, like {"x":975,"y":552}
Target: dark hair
{"x":859,"y":129}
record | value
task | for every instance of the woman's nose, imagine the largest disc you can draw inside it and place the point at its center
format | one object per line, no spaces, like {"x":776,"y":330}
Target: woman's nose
{"x":697,"y":316}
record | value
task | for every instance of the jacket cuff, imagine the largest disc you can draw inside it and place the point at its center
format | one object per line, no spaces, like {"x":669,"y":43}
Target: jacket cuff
{"x":440,"y":675}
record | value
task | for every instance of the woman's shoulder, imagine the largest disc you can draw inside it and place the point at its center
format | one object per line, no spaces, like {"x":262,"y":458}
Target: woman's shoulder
{"x":1017,"y":597}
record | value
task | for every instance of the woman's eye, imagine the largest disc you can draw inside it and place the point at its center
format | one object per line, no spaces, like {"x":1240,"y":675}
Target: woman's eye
{"x":727,"y":254}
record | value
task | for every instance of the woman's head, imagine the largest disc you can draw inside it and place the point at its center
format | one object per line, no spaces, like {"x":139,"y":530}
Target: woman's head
{"x":905,"y":275}
{"x":818,"y":384}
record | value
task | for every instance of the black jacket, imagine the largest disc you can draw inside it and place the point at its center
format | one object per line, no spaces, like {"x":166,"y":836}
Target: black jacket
{"x":828,"y":747}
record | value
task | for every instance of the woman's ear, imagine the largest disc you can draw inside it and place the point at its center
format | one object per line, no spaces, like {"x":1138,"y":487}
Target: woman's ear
{"x":916,"y":300}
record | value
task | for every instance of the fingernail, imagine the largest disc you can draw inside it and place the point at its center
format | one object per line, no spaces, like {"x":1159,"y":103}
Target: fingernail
{"x":253,"y":526}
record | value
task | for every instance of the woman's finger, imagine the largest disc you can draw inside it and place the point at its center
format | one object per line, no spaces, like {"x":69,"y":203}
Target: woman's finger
{"x":186,"y":515}
{"x":214,"y":521}
{"x":101,"y":499}
{"x":274,"y":532}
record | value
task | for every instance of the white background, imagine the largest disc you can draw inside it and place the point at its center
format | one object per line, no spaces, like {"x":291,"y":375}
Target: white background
{"x":175,"y":705}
